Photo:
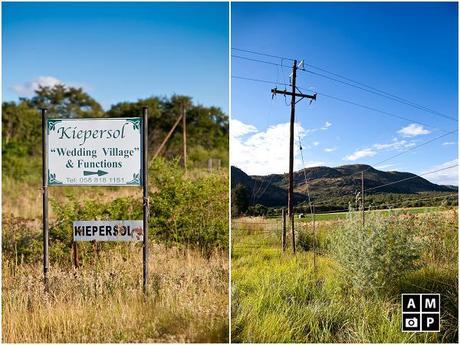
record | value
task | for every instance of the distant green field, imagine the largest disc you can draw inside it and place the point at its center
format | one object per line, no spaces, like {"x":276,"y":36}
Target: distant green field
{"x":342,"y":215}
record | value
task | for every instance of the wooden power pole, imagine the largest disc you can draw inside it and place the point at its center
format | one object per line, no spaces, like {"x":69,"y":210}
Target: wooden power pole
{"x":301,"y":96}
{"x":184,"y":134}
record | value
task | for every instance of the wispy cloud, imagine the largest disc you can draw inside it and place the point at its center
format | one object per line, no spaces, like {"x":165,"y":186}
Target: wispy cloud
{"x":413,"y":130}
{"x":264,"y":152}
{"x":360,"y":154}
{"x":28,"y":88}
{"x":330,"y":149}
{"x":326,"y":125}
{"x":395,"y":144}
{"x":446,"y":177}
{"x":448,"y":143}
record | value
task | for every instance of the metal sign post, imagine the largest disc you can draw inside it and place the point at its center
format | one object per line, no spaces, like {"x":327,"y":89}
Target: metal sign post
{"x":145,"y":249}
{"x":96,"y":152}
{"x":45,"y":196}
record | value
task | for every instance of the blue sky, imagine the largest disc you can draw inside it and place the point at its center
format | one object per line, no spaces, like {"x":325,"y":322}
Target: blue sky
{"x":407,"y":49}
{"x":118,"y":51}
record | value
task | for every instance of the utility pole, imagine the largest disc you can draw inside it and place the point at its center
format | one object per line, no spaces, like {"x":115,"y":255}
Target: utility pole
{"x":184,"y":135}
{"x":301,"y":96}
{"x":362,"y":194}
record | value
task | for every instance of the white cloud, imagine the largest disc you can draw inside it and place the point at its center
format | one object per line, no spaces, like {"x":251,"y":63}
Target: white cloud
{"x":446,"y":177}
{"x":448,"y":143}
{"x":265,"y":152}
{"x":28,"y":88}
{"x":239,"y":129}
{"x":326,"y":125}
{"x":413,"y":130}
{"x":368,"y":152}
{"x":330,"y":149}
{"x":315,"y":143}
{"x":394,"y":145}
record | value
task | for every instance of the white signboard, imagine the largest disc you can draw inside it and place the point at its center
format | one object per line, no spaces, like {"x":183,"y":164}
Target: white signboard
{"x":97,"y":152}
{"x":111,"y":230}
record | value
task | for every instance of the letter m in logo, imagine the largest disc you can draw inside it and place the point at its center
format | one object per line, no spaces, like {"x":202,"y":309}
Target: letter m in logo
{"x":430,"y":302}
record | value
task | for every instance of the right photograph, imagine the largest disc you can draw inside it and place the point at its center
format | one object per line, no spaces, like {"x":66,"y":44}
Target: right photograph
{"x":344,"y":172}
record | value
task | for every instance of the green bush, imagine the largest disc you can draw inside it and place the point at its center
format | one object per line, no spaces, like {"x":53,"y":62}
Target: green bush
{"x":190,"y":212}
{"x":305,"y":240}
{"x":373,"y":258}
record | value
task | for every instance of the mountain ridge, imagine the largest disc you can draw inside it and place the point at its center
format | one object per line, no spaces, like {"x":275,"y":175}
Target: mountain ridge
{"x":271,"y":190}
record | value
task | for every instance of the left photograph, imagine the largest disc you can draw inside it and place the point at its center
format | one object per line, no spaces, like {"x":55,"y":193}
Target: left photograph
{"x":115,"y":179}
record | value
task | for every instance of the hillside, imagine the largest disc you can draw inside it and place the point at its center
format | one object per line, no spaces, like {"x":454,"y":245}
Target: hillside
{"x":325,"y":182}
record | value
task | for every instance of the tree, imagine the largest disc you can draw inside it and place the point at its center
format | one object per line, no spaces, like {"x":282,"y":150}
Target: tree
{"x":207,"y":128}
{"x":66,"y":102}
{"x":21,"y":129}
{"x":240,"y":200}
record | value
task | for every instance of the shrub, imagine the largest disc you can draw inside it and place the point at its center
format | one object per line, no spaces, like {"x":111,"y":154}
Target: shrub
{"x":305,"y":240}
{"x":189,"y":212}
{"x":373,"y":258}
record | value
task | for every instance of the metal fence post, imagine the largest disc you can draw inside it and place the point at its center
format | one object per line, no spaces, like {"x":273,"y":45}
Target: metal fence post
{"x":283,"y":235}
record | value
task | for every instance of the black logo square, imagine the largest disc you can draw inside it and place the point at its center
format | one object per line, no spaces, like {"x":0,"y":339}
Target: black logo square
{"x":411,"y":303}
{"x":430,"y":322}
{"x":411,"y":322}
{"x":430,"y":303}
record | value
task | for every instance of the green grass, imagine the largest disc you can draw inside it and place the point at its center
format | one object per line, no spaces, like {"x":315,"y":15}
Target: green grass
{"x":278,"y":297}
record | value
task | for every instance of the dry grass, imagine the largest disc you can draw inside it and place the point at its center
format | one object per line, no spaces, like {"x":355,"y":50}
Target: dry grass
{"x":102,"y":300}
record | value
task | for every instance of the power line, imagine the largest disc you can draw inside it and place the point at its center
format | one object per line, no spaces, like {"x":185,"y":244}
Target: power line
{"x":350,"y":82}
{"x":413,"y":148}
{"x":262,"y":54}
{"x":344,"y":101}
{"x":376,"y":110}
{"x":383,"y":94}
{"x":257,"y":60}
{"x":404,"y":152}
{"x":305,"y":176}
